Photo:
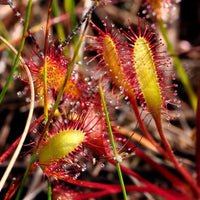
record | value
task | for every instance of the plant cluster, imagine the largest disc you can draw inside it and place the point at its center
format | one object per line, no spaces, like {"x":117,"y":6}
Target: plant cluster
{"x":78,"y":84}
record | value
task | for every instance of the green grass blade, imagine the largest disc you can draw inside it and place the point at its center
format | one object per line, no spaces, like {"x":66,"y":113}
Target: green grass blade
{"x":19,"y":51}
{"x":112,"y":140}
{"x":18,"y":197}
{"x":69,"y":6}
{"x":179,"y":68}
{"x":4,"y":33}
{"x":49,"y":190}
{"x":59,"y":27}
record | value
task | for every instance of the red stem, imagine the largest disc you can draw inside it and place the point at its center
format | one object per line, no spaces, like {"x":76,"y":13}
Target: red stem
{"x":168,"y":153}
{"x":180,"y":185}
{"x":15,"y":143}
{"x":173,"y":159}
{"x":15,"y":185}
{"x":9,"y":150}
{"x":198,"y":137}
{"x":157,"y":190}
{"x":143,"y":128}
{"x":113,"y":188}
{"x":129,"y":188}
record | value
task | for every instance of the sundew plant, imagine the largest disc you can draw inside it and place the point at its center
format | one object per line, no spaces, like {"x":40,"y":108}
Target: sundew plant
{"x":95,"y":99}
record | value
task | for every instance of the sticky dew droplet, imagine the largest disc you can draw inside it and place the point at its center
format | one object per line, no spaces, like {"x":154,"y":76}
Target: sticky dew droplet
{"x":84,"y":168}
{"x":102,"y":165}
{"x":126,"y":98}
{"x":28,"y":99}
{"x":20,"y":94}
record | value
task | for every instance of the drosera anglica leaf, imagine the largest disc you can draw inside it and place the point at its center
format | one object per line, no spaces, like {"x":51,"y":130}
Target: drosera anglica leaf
{"x":110,"y":56}
{"x":60,"y":145}
{"x":64,"y":151}
{"x":57,"y":65}
{"x":151,"y":74}
{"x":147,"y":76}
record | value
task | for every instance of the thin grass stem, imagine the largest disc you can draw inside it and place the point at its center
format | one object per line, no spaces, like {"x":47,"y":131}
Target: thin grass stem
{"x":69,"y":6}
{"x":45,"y":62}
{"x":25,"y":176}
{"x":28,"y":122}
{"x":112,"y":140}
{"x":49,"y":189}
{"x":19,"y":51}
{"x":4,"y":33}
{"x":59,"y":27}
{"x":179,"y":68}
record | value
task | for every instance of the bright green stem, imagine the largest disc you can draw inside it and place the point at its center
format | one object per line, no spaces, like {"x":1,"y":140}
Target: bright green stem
{"x":45,"y":89}
{"x":68,"y":73}
{"x":59,"y":27}
{"x":19,"y":51}
{"x":112,"y":140}
{"x":179,"y":68}
{"x":49,"y":189}
{"x":25,"y":177}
